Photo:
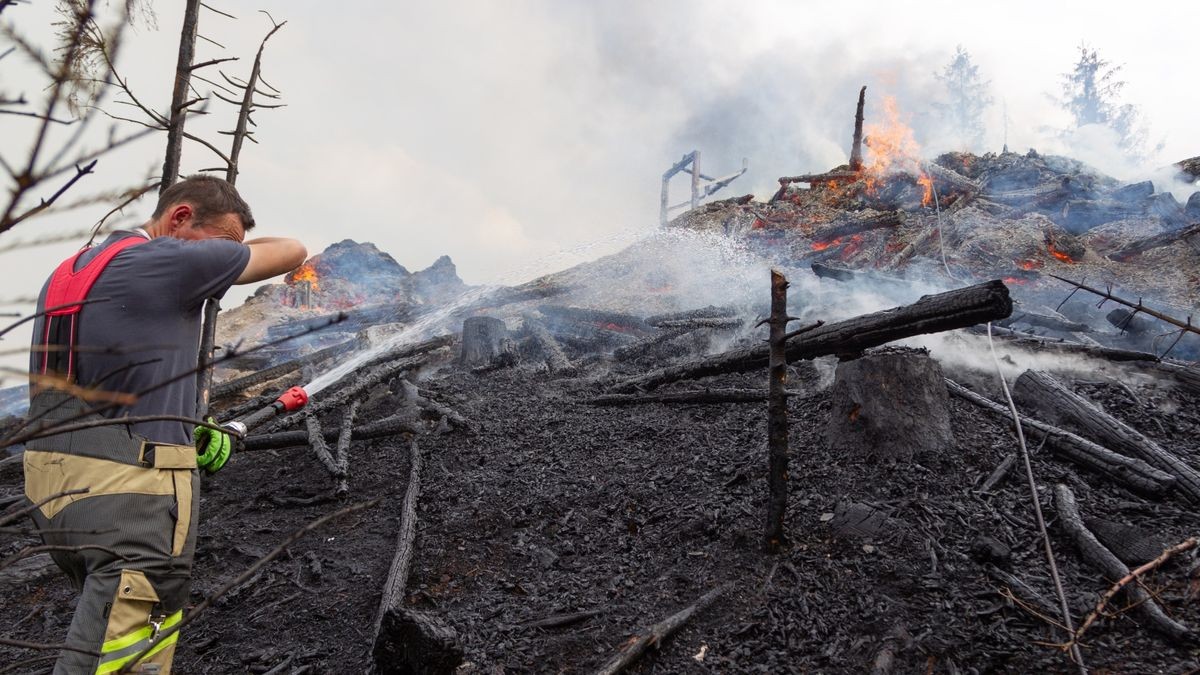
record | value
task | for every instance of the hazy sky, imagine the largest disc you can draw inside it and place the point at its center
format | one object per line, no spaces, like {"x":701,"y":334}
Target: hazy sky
{"x":520,"y":137}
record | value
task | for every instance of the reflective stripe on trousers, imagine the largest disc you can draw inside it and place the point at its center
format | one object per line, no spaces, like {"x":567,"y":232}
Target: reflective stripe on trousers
{"x":117,"y":652}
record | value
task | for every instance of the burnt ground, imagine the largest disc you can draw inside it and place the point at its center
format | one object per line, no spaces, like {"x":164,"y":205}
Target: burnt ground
{"x":552,"y":507}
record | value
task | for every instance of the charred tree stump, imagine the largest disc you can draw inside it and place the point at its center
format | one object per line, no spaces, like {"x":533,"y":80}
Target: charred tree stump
{"x":930,"y":314}
{"x":481,"y":336}
{"x":408,"y":641}
{"x":856,"y":161}
{"x":1099,"y":557}
{"x":1129,"y":472}
{"x":1053,"y":401}
{"x":888,"y":406}
{"x":774,"y":537}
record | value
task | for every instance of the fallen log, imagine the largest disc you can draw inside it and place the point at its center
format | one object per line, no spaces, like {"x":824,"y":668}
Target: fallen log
{"x":236,"y":385}
{"x":644,"y":345}
{"x":1051,"y":321}
{"x":1037,"y":343}
{"x":556,"y":360}
{"x":389,"y":426}
{"x":951,"y":178}
{"x":844,"y":227}
{"x":1099,"y":557}
{"x":654,"y":635}
{"x":1127,"y":252}
{"x":405,"y":640}
{"x":710,"y":312}
{"x":594,"y":317}
{"x":930,"y":314}
{"x":1132,"y":473}
{"x":1054,"y":402}
{"x":692,"y":324}
{"x":701,"y":396}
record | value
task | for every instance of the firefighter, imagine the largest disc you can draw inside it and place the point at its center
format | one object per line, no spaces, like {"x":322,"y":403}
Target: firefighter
{"x":120,"y":337}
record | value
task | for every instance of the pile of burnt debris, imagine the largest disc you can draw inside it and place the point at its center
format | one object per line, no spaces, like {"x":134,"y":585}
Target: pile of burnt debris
{"x":596,"y":472}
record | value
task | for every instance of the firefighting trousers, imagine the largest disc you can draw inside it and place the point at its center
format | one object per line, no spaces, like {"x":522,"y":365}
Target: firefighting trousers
{"x":133,"y":539}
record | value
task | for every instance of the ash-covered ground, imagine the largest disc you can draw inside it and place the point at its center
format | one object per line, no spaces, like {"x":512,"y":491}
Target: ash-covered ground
{"x":552,"y":506}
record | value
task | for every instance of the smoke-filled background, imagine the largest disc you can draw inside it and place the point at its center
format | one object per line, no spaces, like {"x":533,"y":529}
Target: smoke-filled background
{"x":523,"y":137}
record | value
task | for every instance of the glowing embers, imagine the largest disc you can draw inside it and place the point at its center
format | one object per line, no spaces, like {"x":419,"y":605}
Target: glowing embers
{"x":850,"y":245}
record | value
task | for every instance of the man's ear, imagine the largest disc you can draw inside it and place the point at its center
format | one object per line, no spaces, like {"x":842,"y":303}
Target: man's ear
{"x":179,"y":216}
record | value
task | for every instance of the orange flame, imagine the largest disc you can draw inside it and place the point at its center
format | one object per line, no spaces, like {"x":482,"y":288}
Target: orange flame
{"x":894,"y":149}
{"x":1030,"y":264}
{"x":305,"y":272}
{"x":927,"y":183}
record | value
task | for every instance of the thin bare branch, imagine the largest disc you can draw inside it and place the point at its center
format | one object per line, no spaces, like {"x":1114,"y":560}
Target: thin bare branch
{"x":36,"y":116}
{"x":211,"y":62}
{"x":206,"y":144}
{"x":207,"y":39}
{"x":13,"y":325}
{"x":131,"y":197}
{"x":218,"y":85}
{"x":80,"y":172}
{"x":217,"y":11}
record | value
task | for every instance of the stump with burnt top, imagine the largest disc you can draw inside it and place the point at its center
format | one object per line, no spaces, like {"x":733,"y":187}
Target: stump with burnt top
{"x":889,"y":405}
{"x":481,"y":340}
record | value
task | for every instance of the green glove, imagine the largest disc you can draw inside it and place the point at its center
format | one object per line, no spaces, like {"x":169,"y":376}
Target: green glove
{"x":212,"y":448}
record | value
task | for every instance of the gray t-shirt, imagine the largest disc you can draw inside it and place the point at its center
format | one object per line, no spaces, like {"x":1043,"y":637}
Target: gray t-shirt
{"x":155,"y":294}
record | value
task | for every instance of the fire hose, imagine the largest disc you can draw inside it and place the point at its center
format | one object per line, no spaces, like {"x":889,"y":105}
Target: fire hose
{"x":289,"y":401}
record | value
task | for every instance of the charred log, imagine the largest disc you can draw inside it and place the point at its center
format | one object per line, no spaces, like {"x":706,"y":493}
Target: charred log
{"x":701,"y":313}
{"x":481,"y":336}
{"x":654,"y":635}
{"x":408,"y":641}
{"x":1099,"y":557}
{"x":887,"y":405}
{"x":700,"y":397}
{"x":930,"y":314}
{"x":951,"y":178}
{"x":1157,"y":241}
{"x":556,"y":361}
{"x":389,"y":426}
{"x":1047,"y":319}
{"x":857,"y":224}
{"x":595,"y":317}
{"x":263,"y":376}
{"x":1130,"y":472}
{"x":644,"y":345}
{"x":1054,"y":402}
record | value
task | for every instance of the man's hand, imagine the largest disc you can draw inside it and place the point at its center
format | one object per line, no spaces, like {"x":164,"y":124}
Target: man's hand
{"x":212,"y":448}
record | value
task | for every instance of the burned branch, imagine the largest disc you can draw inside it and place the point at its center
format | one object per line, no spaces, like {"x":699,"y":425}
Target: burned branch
{"x":930,"y":314}
{"x":1095,"y":554}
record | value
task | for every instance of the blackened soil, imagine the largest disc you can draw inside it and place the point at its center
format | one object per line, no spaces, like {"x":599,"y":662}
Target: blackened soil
{"x":552,"y":507}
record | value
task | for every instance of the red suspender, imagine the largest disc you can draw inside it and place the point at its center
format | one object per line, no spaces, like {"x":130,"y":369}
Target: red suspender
{"x":65,"y":294}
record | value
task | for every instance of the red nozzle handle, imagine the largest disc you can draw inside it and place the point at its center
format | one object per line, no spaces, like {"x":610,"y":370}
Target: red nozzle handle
{"x":293,"y":399}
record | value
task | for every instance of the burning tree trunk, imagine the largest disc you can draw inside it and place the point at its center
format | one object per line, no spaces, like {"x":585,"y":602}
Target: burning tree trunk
{"x":1059,"y":405}
{"x":930,"y":314}
{"x":481,"y":336}
{"x":888,"y":405}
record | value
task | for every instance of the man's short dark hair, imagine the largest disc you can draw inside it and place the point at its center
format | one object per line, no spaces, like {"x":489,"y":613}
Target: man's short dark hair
{"x":210,"y":197}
